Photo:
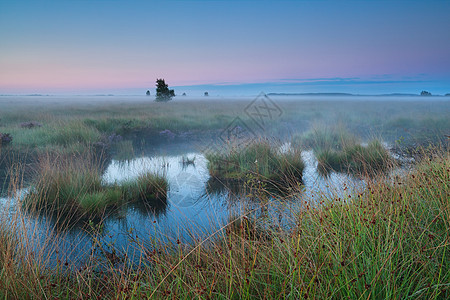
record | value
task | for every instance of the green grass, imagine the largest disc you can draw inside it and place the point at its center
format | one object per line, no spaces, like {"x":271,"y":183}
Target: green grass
{"x":73,"y":188}
{"x":390,"y":241}
{"x":321,"y":137}
{"x":73,"y":136}
{"x":96,"y":203}
{"x":339,"y":150}
{"x":146,"y":187}
{"x":364,"y":160}
{"x":70,"y":125}
{"x":115,"y":125}
{"x":259,"y":160}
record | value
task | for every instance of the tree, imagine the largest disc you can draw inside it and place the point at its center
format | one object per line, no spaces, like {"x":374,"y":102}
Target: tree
{"x":425,"y":93}
{"x":163,"y":94}
{"x":148,"y":93}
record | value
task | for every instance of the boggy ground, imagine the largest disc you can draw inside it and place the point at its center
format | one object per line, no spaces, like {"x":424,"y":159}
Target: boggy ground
{"x":390,"y":241}
{"x":68,"y":125}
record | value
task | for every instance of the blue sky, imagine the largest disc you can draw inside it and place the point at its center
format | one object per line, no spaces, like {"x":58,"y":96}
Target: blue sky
{"x":113,"y":46}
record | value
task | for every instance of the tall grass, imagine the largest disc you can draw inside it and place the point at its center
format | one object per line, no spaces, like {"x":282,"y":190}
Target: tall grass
{"x":390,"y":241}
{"x":87,"y":119}
{"x":259,"y":160}
{"x":337,"y":149}
{"x":146,"y":187}
{"x":73,"y":136}
{"x":72,"y":188}
{"x":322,"y":137}
{"x":364,"y":160}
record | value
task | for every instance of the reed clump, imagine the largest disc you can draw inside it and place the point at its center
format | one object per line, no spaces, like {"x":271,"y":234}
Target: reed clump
{"x":358,"y":159}
{"x":74,"y":187}
{"x":339,"y":150}
{"x":389,"y":241}
{"x":321,"y":137}
{"x":146,"y":187}
{"x":259,"y":160}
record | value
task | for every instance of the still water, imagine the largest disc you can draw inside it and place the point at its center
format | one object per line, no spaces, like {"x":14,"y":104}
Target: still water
{"x":196,"y":206}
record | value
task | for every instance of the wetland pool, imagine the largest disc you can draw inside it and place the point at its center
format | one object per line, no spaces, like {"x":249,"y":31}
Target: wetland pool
{"x":196,"y":206}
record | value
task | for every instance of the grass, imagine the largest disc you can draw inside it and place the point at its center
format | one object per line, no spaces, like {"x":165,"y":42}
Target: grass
{"x":73,"y":136}
{"x":71,"y":124}
{"x":147,"y":187}
{"x":257,"y":160}
{"x":73,"y":188}
{"x":389,"y":241}
{"x":363,"y":160}
{"x":337,"y":149}
{"x":321,"y":137}
{"x":7,"y":246}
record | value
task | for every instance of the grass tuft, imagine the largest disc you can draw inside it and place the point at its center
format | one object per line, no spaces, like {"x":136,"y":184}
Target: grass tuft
{"x":358,"y":159}
{"x":73,"y":187}
{"x":259,"y":160}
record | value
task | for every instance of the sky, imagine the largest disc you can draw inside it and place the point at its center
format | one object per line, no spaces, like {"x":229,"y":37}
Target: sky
{"x":240,"y":47}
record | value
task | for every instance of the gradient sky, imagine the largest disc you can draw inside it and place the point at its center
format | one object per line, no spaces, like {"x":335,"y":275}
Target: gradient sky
{"x":101,"y":46}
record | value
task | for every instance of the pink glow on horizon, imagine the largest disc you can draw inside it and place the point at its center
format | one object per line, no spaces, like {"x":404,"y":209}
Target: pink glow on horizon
{"x":88,"y":45}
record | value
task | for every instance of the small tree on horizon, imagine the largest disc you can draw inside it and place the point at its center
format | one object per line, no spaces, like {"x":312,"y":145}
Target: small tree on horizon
{"x":163,"y":94}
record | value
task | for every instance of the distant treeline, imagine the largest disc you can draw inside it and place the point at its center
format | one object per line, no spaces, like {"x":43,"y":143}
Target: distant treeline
{"x":348,"y":94}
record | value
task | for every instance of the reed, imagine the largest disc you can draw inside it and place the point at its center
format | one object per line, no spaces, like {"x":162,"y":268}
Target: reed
{"x":362,"y":160}
{"x":73,"y":188}
{"x":388,"y":241}
{"x":259,"y":160}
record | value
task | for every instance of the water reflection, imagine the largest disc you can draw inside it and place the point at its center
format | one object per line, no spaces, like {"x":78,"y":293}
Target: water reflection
{"x":196,"y":206}
{"x":332,"y":185}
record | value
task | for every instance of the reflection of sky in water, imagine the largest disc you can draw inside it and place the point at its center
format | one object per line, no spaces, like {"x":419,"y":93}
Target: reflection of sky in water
{"x":188,"y":203}
{"x":191,"y":210}
{"x":333,"y":185}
